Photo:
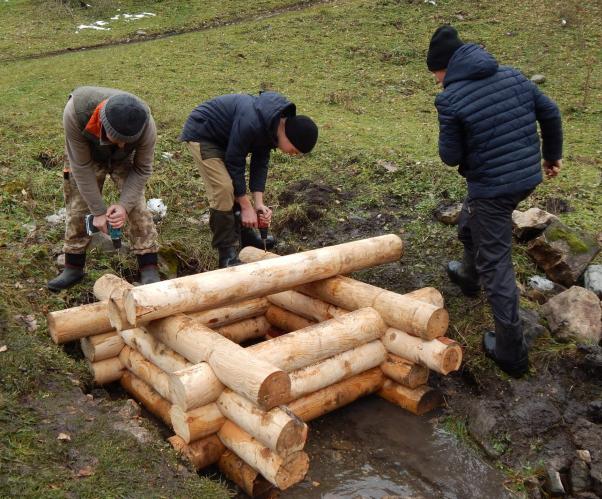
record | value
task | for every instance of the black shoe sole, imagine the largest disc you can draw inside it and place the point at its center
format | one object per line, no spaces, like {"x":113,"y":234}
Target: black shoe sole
{"x":57,"y":289}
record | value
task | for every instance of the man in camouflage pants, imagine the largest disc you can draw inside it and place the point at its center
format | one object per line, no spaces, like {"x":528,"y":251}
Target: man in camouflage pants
{"x":107,"y":132}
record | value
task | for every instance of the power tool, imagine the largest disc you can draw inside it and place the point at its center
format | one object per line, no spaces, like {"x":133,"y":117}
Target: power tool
{"x":114,"y":233}
{"x":263,"y":230}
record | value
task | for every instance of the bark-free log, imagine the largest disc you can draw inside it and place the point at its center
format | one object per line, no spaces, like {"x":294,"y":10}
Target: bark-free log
{"x":282,"y":471}
{"x":305,"y":306}
{"x":247,"y":329}
{"x":418,"y":318}
{"x":239,"y":472}
{"x":321,"y":341}
{"x":229,"y":314}
{"x":338,"y":395}
{"x":427,"y":295}
{"x":146,"y":371}
{"x":197,"y":423}
{"x":194,"y":386}
{"x":201,"y":453}
{"x":418,"y":401}
{"x":342,"y":366}
{"x":107,"y":284}
{"x":153,"y":350}
{"x":149,"y":398}
{"x":106,"y":371}
{"x":236,"y":367}
{"x":285,"y":320}
{"x":441,"y":354}
{"x":277,"y":429}
{"x":404,"y":372}
{"x":214,"y":289}
{"x":101,"y":346}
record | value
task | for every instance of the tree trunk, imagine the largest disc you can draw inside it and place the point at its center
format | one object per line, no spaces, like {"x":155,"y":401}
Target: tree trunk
{"x":404,"y":372}
{"x":101,"y":346}
{"x":149,"y":398}
{"x":201,"y":453}
{"x":146,"y":371}
{"x":278,"y":470}
{"x":246,"y":329}
{"x":441,"y":354}
{"x":338,"y":395}
{"x":215,"y":289}
{"x":106,"y":371}
{"x":197,"y":423}
{"x":230,"y":314}
{"x":285,"y":320}
{"x":277,"y":429}
{"x":154,"y":351}
{"x":239,"y":472}
{"x":418,"y":401}
{"x":342,"y":366}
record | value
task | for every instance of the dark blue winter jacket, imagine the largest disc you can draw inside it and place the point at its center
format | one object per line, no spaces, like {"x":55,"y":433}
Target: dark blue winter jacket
{"x":488,"y":118}
{"x":240,"y":124}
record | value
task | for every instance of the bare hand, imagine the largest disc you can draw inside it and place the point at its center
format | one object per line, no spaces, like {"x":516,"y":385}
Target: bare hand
{"x":265,"y":214}
{"x":100,"y":222}
{"x":551,"y":168}
{"x":116,"y":215}
{"x":248,"y":217}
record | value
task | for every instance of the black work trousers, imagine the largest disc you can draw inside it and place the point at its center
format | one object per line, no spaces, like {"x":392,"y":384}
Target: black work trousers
{"x":485,"y":230}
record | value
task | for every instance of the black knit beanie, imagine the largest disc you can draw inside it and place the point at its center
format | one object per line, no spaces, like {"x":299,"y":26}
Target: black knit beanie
{"x":444,"y":43}
{"x":302,"y":132}
{"x":124,"y":117}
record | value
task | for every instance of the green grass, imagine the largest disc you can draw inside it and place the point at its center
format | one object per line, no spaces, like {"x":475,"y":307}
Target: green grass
{"x":357,"y":67}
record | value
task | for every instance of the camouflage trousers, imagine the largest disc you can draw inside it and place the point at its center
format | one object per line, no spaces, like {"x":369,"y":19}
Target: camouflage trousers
{"x":139,"y":227}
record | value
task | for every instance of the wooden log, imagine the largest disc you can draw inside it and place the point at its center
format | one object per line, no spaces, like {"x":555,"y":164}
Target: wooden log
{"x":201,"y":453}
{"x":146,"y":371}
{"x":427,"y":295}
{"x":441,"y":354}
{"x":78,"y":322}
{"x":194,"y":386}
{"x":278,"y":429}
{"x":261,"y":382}
{"x":282,"y":471}
{"x":107,"y":284}
{"x":418,"y":400}
{"x":318,"y":342}
{"x":106,"y":371}
{"x":246,"y":329}
{"x":338,"y":395}
{"x":197,"y":423}
{"x":101,"y":346}
{"x":153,"y":350}
{"x":339,"y":367}
{"x":239,"y":472}
{"x":404,"y":372}
{"x":149,"y":398}
{"x":229,"y":314}
{"x":216,"y":288}
{"x":305,"y":306}
{"x":285,"y":320}
{"x":419,"y":318}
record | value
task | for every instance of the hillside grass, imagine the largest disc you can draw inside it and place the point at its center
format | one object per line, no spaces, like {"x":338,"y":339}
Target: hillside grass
{"x":357,"y":67}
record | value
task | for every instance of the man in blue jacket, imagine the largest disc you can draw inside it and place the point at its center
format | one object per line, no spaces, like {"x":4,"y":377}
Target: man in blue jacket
{"x":488,"y":117}
{"x":220,"y":133}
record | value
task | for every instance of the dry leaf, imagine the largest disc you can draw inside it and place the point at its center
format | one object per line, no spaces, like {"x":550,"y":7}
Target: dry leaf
{"x":3,"y":348}
{"x":84,"y":472}
{"x":63,"y":436}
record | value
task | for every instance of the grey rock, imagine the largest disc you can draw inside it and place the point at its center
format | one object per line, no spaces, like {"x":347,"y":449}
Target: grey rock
{"x":448,"y":213}
{"x":588,"y":436}
{"x":482,"y":423}
{"x":539,"y":79}
{"x":594,"y":411}
{"x":532,"y":328}
{"x":58,"y":217}
{"x":102,"y":243}
{"x":532,"y":487}
{"x":592,"y":278}
{"x":554,"y":483}
{"x":575,"y":313}
{"x":584,"y":455}
{"x":133,"y":428}
{"x":535,"y":416}
{"x":579,"y":476}
{"x":530,"y":223}
{"x":558,"y":452}
{"x":563,"y":253}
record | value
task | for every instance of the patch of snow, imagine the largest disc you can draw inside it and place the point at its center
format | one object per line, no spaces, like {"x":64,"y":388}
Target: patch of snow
{"x":91,"y":26}
{"x":157,"y":207}
{"x":99,"y":25}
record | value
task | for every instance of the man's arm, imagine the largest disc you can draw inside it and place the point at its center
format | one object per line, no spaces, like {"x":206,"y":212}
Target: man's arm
{"x":258,"y":172}
{"x":142,"y":167}
{"x":550,"y":123}
{"x":239,"y":145}
{"x":451,"y":139}
{"x":81,"y":162}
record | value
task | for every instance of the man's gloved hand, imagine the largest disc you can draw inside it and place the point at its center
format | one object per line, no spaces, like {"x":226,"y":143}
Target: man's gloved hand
{"x":116,"y":216}
{"x":551,"y":168}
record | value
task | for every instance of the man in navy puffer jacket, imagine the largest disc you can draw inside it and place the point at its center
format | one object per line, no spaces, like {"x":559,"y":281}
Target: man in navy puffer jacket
{"x":488,"y":117}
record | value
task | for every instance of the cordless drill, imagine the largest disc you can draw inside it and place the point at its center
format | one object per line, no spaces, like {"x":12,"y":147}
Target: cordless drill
{"x":263,"y":230}
{"x":114,"y":233}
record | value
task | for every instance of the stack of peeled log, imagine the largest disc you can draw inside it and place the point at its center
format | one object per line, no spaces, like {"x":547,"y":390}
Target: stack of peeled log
{"x":321,"y":340}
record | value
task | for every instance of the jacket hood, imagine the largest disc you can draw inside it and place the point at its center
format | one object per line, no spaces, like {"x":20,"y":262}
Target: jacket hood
{"x":470,"y":62}
{"x":270,"y":106}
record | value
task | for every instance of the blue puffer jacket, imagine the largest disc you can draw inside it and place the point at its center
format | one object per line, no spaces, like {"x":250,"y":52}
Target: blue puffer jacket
{"x":488,"y":118}
{"x":240,"y":124}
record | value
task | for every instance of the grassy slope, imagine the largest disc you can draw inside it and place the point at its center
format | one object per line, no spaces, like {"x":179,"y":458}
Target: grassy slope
{"x":358,"y":68}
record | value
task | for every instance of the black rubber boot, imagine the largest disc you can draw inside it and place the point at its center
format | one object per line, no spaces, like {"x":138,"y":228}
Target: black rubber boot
{"x":464,"y":274}
{"x":506,"y":347}
{"x":249,"y":236}
{"x":149,"y":270}
{"x":228,"y":257}
{"x":71,"y":274}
